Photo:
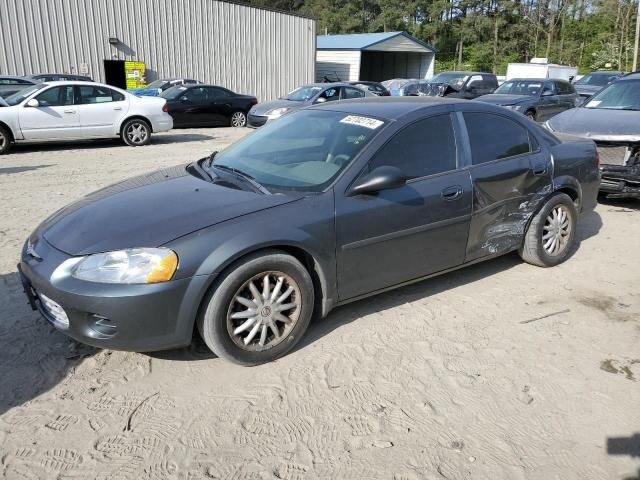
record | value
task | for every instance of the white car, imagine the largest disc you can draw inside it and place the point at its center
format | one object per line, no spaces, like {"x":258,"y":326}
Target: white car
{"x":73,"y":110}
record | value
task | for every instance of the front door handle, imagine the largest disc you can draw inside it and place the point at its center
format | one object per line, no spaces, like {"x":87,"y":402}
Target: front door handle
{"x":540,"y":169}
{"x":69,"y":111}
{"x":452,"y":193}
{"x":117,"y":108}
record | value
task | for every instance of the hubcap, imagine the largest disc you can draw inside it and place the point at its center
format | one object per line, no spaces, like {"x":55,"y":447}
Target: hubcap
{"x":238,"y":119}
{"x":3,"y":140}
{"x":557,"y":230}
{"x":137,"y":132}
{"x":259,"y":319}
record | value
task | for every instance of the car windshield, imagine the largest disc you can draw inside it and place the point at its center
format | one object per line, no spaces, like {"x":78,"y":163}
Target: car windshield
{"x":302,"y":94}
{"x":303,"y":151}
{"x":596,"y":79}
{"x":621,"y":95}
{"x":520,"y":87}
{"x":173,"y":92}
{"x":21,"y":95}
{"x":156,"y":84}
{"x":455,"y":79}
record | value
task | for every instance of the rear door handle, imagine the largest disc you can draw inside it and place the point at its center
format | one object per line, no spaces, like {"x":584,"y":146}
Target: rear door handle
{"x":69,"y":111}
{"x":540,"y":169}
{"x":117,"y":108}
{"x":452,"y":193}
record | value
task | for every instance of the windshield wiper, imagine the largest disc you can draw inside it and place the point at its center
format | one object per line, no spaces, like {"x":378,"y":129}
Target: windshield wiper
{"x":244,"y":176}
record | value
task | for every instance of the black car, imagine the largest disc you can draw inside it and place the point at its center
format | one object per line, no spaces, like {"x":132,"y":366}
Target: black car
{"x":538,"y":99}
{"x":593,"y":82}
{"x":10,"y":85}
{"x":328,"y":205}
{"x":374,"y":87}
{"x":468,"y":85}
{"x":59,"y":77}
{"x":207,"y":106}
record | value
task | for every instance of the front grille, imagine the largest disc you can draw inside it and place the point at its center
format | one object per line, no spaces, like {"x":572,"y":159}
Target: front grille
{"x":612,"y":155}
{"x":55,"y":312}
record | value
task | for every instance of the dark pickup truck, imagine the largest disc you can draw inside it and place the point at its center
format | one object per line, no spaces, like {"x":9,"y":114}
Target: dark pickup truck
{"x":467,"y":85}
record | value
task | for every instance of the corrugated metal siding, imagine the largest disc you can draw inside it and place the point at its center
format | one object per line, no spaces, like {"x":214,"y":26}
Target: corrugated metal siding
{"x":248,"y":50}
{"x":344,"y":64}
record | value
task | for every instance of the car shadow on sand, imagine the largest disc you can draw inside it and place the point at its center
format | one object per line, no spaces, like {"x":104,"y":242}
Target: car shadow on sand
{"x":34,"y":356}
{"x":11,"y":170}
{"x":159,"y":139}
{"x":629,"y":446}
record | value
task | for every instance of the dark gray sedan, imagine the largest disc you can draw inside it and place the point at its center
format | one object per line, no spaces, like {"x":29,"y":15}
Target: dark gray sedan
{"x":302,"y":97}
{"x":328,"y":205}
{"x":593,"y":82}
{"x":538,"y":99}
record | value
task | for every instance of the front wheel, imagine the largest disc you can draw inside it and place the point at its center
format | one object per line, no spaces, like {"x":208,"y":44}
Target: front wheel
{"x":259,"y":310}
{"x":551,"y":233}
{"x":5,"y":140}
{"x":238,"y":119}
{"x":136,"y":132}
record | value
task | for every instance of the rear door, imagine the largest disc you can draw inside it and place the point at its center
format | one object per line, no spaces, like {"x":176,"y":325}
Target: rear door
{"x":100,"y":109}
{"x":549,"y":104}
{"x":510,"y":174}
{"x":56,"y":117}
{"x":566,"y":95}
{"x":405,"y":233}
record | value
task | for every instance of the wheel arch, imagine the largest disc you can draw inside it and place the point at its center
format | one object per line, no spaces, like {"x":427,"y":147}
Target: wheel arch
{"x":133,"y":117}
{"x":9,"y":130}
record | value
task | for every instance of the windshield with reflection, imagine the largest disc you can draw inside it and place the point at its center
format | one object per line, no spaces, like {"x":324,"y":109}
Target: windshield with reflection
{"x":304,"y":151}
{"x":520,"y":87}
{"x":596,"y":79}
{"x":450,"y":78}
{"x":623,"y":95}
{"x":303,"y":94}
{"x":22,"y":95}
{"x":173,"y":92}
{"x":156,"y":84}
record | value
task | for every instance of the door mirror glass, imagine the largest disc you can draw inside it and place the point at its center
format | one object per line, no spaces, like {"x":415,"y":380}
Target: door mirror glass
{"x":321,"y":100}
{"x":547,"y":93}
{"x":33,"y":103}
{"x":184,"y":98}
{"x":381,"y":178}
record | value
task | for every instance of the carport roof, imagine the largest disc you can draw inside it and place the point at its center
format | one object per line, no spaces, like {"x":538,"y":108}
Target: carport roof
{"x":372,"y":41}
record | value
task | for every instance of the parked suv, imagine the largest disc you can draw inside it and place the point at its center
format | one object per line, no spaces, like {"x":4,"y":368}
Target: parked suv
{"x":467,"y":85}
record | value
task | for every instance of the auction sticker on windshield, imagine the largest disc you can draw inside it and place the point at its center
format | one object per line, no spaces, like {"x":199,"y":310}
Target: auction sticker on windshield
{"x":370,"y":123}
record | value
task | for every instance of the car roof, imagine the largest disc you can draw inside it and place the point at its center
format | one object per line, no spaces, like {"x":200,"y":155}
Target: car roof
{"x":390,"y":108}
{"x":327,"y":84}
{"x":16,"y":77}
{"x":630,"y":76}
{"x":605,"y":72}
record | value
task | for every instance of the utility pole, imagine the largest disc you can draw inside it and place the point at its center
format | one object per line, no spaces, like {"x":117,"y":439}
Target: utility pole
{"x":635,"y":45}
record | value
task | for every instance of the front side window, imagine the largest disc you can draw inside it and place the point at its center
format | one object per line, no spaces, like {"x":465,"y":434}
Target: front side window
{"x":304,"y":150}
{"x":90,"y":94}
{"x":520,"y":87}
{"x":426,"y":147}
{"x":218,"y":92}
{"x":56,"y":97}
{"x":196,"y":95}
{"x":493,"y":137}
{"x":303,"y":94}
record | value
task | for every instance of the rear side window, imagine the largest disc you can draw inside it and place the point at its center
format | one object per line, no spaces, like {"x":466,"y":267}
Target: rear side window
{"x":348,"y":92}
{"x":426,"y":147}
{"x":91,"y":94}
{"x":565,"y":88}
{"x":493,"y":137}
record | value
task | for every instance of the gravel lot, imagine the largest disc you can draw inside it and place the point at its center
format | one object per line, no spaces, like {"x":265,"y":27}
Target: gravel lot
{"x":501,"y":370}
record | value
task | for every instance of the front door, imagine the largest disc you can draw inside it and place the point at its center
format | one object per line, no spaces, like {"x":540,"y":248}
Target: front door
{"x":402,"y":234}
{"x":510,"y":175}
{"x":56,"y":116}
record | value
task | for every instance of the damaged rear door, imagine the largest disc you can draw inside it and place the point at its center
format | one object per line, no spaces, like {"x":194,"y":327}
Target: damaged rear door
{"x":511,"y":174}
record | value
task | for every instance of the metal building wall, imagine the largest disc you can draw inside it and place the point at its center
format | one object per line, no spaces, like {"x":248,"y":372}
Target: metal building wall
{"x":246,"y":49}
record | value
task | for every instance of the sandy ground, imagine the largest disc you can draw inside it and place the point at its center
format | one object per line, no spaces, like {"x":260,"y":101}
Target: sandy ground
{"x":453,"y":378}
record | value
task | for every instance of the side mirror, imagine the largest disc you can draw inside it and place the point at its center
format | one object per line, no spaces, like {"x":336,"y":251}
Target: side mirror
{"x":547,"y":93}
{"x":381,"y":178}
{"x":33,"y":103}
{"x":184,"y":98}
{"x":320,"y":100}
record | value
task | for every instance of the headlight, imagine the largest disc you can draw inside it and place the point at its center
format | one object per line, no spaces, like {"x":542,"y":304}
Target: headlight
{"x":277,"y":112}
{"x":517,"y":108}
{"x":547,"y":125}
{"x":137,"y":265}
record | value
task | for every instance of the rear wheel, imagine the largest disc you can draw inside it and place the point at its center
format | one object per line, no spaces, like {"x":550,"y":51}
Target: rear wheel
{"x":238,"y":119}
{"x":136,"y":132}
{"x":5,"y":140}
{"x":259,"y":310}
{"x":551,"y":234}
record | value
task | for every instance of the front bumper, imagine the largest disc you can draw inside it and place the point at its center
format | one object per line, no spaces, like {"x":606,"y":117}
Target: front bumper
{"x":620,"y":181}
{"x":121,"y":317}
{"x":256,"y":121}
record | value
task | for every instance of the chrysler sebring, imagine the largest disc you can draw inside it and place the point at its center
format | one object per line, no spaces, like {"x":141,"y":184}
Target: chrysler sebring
{"x":328,"y":205}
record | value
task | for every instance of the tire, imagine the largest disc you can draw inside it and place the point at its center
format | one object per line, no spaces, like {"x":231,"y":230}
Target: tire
{"x":136,"y":132}
{"x":543,"y":252}
{"x":238,"y":119}
{"x":250,"y":345}
{"x":5,"y":140}
{"x":531,"y":115}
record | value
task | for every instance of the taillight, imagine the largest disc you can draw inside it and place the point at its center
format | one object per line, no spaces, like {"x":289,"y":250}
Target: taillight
{"x":596,"y":159}
{"x":165,"y":108}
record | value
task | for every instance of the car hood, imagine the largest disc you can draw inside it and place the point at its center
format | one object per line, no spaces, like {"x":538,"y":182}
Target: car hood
{"x":587,"y":89}
{"x":503,"y":99}
{"x":149,"y":211}
{"x":266,"y":107}
{"x":598,"y":124}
